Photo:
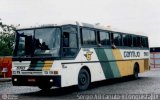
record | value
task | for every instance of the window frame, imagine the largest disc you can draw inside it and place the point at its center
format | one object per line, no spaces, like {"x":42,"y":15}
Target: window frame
{"x":146,"y":40}
{"x":81,"y":35}
{"x":99,"y":38}
{"x":113,"y":40}
{"x":137,"y":45}
{"x":129,"y":45}
{"x":77,"y":40}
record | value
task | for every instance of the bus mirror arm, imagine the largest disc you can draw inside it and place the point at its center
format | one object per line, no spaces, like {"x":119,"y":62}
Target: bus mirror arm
{"x":114,"y":47}
{"x":99,"y":45}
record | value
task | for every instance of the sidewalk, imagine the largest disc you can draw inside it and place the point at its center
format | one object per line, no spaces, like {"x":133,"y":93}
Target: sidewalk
{"x":5,"y":79}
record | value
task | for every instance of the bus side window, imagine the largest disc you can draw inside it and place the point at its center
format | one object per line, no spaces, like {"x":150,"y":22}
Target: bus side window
{"x":112,"y":42}
{"x":69,"y":41}
{"x":139,"y":41}
{"x":136,"y":41}
{"x":145,"y":42}
{"x":130,"y":43}
{"x":88,"y":37}
{"x":117,"y":39}
{"x":127,"y":40}
{"x":103,"y":38}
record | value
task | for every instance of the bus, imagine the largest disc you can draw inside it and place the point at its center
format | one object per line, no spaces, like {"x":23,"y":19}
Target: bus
{"x":76,"y":54}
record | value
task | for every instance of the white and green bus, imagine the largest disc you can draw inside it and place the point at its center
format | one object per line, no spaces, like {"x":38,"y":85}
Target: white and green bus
{"x":76,"y":54}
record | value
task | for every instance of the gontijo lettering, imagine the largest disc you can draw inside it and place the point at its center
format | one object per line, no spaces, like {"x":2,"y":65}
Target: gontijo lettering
{"x":131,"y":54}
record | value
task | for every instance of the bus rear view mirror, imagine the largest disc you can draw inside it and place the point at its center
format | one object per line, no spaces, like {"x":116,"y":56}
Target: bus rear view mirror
{"x":99,"y":45}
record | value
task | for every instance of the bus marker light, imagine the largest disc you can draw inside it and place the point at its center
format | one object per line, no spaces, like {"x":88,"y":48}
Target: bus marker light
{"x":51,"y":72}
{"x":55,"y":72}
{"x":63,"y":66}
{"x":14,"y":72}
{"x":18,"y":72}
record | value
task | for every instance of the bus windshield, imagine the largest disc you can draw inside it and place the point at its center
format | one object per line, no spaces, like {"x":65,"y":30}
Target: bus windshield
{"x":38,"y":42}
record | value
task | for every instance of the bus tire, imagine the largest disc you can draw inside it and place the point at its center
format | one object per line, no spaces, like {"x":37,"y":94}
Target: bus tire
{"x":45,"y":87}
{"x":83,"y":80}
{"x":135,"y":71}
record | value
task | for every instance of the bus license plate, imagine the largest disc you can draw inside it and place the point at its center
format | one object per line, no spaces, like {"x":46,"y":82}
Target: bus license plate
{"x":31,"y":80}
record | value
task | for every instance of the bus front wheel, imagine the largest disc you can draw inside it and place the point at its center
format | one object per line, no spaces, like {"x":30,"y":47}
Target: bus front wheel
{"x":83,"y":80}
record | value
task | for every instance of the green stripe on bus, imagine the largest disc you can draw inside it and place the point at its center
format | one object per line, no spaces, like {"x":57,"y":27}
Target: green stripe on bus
{"x":110,"y":69}
{"x":104,"y":63}
{"x":113,"y":65}
{"x":36,"y":65}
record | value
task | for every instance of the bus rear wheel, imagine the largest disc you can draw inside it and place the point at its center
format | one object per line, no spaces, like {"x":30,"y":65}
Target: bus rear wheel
{"x":135,"y":71}
{"x":83,"y":80}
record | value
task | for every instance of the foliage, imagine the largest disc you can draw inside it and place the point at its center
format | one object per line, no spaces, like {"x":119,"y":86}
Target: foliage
{"x":7,"y":34}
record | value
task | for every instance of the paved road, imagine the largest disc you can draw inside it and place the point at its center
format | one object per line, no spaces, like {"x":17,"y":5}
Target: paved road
{"x":147,"y":84}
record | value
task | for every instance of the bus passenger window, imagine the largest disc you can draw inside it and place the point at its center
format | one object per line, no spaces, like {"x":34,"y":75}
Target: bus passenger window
{"x":104,"y":38}
{"x":136,"y":41}
{"x":127,"y":40}
{"x":145,"y":42}
{"x":130,"y":41}
{"x":116,"y":40}
{"x":88,"y":37}
{"x":112,"y":42}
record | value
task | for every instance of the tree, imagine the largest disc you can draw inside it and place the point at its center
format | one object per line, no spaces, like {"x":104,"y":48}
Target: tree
{"x":7,"y":34}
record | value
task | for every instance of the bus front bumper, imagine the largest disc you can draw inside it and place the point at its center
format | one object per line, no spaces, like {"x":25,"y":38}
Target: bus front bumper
{"x":22,"y":80}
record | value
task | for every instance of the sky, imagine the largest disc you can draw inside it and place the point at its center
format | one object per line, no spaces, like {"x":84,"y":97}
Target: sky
{"x":142,"y":16}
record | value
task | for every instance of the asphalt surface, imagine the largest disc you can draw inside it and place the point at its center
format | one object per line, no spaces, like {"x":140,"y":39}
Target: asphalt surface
{"x":146,"y":87}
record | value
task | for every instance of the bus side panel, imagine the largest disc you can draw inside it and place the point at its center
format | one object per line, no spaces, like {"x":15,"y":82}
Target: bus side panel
{"x":143,"y":65}
{"x":126,"y":65}
{"x":71,"y":68}
{"x":107,"y":62}
{"x":102,"y":63}
{"x":96,"y":68}
{"x":125,"y":68}
{"x":146,"y":64}
{"x":69,"y":74}
{"x":96,"y":71}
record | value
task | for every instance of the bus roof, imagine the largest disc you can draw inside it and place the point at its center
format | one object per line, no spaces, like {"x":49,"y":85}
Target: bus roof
{"x":97,"y":26}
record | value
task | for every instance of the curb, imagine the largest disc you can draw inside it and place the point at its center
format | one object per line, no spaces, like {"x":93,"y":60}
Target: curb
{"x":5,"y":79}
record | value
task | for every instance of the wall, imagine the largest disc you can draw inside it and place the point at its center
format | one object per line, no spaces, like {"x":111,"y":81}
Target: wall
{"x":5,"y":62}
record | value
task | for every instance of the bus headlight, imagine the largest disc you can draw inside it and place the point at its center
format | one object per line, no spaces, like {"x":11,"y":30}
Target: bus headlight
{"x":15,"y":79}
{"x":51,"y":80}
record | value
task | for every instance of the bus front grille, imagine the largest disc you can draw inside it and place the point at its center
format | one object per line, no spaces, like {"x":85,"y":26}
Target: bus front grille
{"x":31,"y":72}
